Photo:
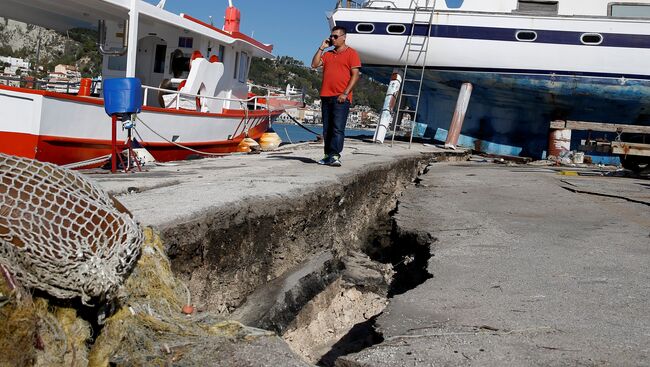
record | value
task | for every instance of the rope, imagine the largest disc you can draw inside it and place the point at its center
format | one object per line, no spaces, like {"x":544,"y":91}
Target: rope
{"x":180,"y":145}
{"x":303,"y":126}
{"x":87,"y":162}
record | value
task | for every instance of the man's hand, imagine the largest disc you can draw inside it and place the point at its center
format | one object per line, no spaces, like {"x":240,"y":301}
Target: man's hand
{"x":317,"y":61}
{"x":325,"y":44}
{"x":342,"y":98}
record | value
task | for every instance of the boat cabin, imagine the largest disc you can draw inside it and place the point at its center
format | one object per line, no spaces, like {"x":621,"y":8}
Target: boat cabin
{"x":160,"y":48}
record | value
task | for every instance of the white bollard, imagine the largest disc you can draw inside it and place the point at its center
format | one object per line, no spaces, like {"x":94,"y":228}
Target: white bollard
{"x":389,"y":103}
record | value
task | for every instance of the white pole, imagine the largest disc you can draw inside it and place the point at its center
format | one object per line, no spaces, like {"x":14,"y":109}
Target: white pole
{"x":133,"y":40}
{"x":459,"y":115}
{"x":389,"y":103}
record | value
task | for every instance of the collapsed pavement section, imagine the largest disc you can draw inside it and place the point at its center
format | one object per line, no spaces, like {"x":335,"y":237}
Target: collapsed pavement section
{"x":275,"y":241}
{"x":525,"y":272}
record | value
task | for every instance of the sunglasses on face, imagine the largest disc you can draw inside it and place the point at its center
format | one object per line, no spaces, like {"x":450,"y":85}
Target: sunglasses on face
{"x":334,"y":36}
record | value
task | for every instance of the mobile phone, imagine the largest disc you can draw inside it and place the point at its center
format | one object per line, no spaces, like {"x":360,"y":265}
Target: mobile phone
{"x":329,"y":42}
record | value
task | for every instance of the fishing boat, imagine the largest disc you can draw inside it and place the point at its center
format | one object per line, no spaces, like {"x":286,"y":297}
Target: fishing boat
{"x":193,"y":76}
{"x":529,"y":61}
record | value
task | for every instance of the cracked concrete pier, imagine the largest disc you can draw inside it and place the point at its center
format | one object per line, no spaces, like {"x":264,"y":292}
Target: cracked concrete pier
{"x":277,"y":241}
{"x":530,"y":268}
{"x":525,"y":266}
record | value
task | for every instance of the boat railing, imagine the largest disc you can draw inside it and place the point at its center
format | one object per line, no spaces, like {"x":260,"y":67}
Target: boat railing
{"x":59,"y":86}
{"x":367,"y":4}
{"x":26,"y":83}
{"x":256,"y":102}
{"x":381,"y":4}
{"x":267,"y":89}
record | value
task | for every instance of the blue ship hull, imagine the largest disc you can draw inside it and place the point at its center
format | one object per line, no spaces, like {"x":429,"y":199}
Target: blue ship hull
{"x":515,"y":108}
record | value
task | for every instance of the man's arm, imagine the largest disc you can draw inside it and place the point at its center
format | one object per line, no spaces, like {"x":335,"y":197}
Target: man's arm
{"x":317,"y":60}
{"x":355,"y":75}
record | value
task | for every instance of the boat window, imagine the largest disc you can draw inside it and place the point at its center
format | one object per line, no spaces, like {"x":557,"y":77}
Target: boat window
{"x":537,"y":6}
{"x":222,"y":53}
{"x":630,"y":10}
{"x":591,"y":39}
{"x":396,"y":29}
{"x":243,"y":67}
{"x":185,"y":42}
{"x":526,"y":36}
{"x":365,"y":27}
{"x":159,"y":59}
{"x":117,"y":63}
{"x":236,"y":65}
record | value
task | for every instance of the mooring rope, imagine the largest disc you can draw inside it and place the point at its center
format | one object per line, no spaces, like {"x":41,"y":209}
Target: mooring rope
{"x":87,"y":162}
{"x":303,"y":126}
{"x":180,"y":145}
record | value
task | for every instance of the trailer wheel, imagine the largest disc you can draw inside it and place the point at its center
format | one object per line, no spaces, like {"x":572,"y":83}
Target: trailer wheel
{"x":635,"y":163}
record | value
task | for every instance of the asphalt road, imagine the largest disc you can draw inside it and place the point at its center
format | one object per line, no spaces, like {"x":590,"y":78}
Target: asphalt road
{"x":530,"y":268}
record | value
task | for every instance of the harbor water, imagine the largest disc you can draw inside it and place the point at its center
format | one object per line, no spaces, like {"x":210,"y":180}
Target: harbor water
{"x":292,"y":133}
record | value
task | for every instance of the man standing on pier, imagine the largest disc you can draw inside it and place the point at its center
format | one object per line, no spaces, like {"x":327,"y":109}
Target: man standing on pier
{"x":340,"y":74}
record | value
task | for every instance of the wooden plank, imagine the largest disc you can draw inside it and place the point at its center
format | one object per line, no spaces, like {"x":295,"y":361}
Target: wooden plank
{"x":558,"y":124}
{"x":607,"y":127}
{"x":631,"y":149}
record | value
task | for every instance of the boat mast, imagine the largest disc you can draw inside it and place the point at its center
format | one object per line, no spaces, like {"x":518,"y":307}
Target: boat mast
{"x":132,"y":40}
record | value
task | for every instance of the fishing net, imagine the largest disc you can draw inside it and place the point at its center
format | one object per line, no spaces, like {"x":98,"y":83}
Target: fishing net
{"x":61,"y":234}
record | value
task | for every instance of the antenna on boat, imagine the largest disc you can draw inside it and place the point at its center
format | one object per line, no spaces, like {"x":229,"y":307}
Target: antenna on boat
{"x":229,"y":2}
{"x":161,"y":4}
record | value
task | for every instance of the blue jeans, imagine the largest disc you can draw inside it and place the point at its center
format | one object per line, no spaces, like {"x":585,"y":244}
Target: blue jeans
{"x":335,"y":115}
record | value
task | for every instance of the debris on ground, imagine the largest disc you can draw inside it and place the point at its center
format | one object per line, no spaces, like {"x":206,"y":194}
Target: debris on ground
{"x":148,"y":328}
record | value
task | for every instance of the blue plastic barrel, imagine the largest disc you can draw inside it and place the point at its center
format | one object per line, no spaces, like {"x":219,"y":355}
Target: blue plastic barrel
{"x":122,"y":96}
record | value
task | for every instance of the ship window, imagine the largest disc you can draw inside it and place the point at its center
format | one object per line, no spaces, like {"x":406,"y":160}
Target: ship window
{"x":159,"y":59}
{"x":222,"y":53}
{"x":365,"y":27}
{"x":630,"y":10}
{"x":591,"y":39}
{"x":236,"y":65}
{"x":537,"y":6}
{"x":396,"y":29}
{"x":185,"y":42}
{"x":117,"y":63}
{"x":526,"y":36}
{"x":243,"y":67}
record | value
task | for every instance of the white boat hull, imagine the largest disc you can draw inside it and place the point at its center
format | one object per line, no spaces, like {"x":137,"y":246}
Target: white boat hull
{"x":65,"y":129}
{"x":519,"y":87}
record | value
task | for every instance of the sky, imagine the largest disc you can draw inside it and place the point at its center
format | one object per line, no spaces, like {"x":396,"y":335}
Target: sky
{"x":296,"y":28}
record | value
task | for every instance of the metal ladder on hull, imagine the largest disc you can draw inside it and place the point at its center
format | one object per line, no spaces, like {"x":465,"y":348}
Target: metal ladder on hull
{"x":417,"y":50}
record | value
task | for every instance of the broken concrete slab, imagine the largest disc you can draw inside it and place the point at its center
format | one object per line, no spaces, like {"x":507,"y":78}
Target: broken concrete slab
{"x":525,"y":273}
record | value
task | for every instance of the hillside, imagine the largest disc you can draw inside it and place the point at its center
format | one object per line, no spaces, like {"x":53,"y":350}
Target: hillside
{"x":75,"y":47}
{"x":287,"y":70}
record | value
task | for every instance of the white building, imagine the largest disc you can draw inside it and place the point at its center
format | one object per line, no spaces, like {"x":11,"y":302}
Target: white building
{"x":15,"y":62}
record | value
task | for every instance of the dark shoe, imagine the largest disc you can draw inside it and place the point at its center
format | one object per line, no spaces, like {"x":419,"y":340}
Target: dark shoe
{"x":335,"y":161}
{"x":325,"y":160}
